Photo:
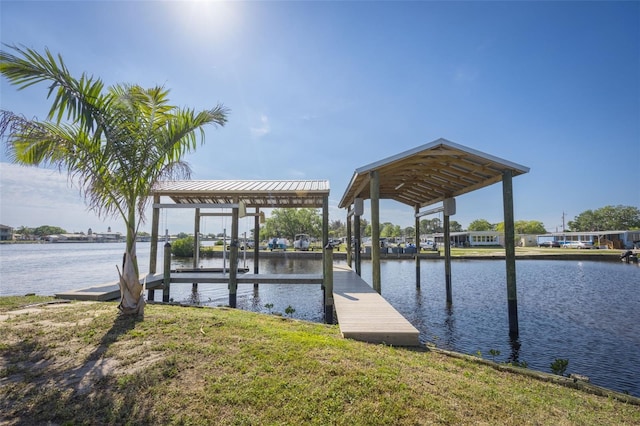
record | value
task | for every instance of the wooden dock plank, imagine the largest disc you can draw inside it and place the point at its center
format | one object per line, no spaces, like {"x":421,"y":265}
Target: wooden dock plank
{"x":365,"y":315}
{"x":101,"y":293}
{"x":111,"y":291}
{"x":104,"y":292}
{"x":220,"y":278}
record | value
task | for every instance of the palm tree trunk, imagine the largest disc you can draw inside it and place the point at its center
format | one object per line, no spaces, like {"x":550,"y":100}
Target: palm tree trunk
{"x":131,"y":291}
{"x":131,"y":300}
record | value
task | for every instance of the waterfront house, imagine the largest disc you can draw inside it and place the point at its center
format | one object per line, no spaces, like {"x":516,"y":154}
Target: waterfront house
{"x":68,"y":238}
{"x":108,"y":237}
{"x":471,"y":239}
{"x":6,"y":233}
{"x":613,"y":240}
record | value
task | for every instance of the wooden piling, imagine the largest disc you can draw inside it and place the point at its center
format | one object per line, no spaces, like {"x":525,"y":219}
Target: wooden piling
{"x":325,"y":233}
{"x":374,"y":186}
{"x":196,"y":245}
{"x":153,"y":254}
{"x":447,"y":259}
{"x":167,"y":272}
{"x":233,"y":259}
{"x":510,"y":251}
{"x":349,"y":237}
{"x":357,"y":249}
{"x":256,"y":246}
{"x":327,"y":280}
{"x":417,"y":244}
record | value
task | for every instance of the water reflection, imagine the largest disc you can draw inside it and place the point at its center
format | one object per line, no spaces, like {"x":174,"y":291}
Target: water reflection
{"x":449,"y":326}
{"x":256,"y":302}
{"x":514,"y":356}
{"x":194,"y":296}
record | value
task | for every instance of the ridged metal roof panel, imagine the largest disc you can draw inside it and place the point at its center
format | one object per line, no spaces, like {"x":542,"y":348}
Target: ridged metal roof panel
{"x":254,"y":193}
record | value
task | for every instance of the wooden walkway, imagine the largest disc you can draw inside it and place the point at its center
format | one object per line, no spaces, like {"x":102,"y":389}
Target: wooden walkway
{"x":103,"y":292}
{"x":362,"y":313}
{"x":111,"y":291}
{"x":365,"y":315}
{"x":219,"y":278}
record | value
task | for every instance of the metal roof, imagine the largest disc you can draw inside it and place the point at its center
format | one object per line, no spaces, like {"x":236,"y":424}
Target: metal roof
{"x":254,"y":193}
{"x":430,"y":173}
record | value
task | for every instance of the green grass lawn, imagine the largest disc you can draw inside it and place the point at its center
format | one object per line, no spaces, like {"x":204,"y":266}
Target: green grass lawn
{"x":81,"y":363}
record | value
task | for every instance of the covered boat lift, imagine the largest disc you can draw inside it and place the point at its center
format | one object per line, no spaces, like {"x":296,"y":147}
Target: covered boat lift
{"x":243,"y":198}
{"x":436,"y":172}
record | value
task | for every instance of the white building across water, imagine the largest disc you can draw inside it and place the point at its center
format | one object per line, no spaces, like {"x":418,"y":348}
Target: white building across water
{"x":613,"y":240}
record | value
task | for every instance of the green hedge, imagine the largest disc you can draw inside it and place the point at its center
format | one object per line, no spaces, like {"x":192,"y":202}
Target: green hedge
{"x":183,"y":247}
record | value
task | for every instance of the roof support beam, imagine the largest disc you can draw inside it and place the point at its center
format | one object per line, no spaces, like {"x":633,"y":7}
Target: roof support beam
{"x":155,"y":224}
{"x":233,"y":259}
{"x":375,"y":230}
{"x":196,"y":244}
{"x":153,"y":254}
{"x":349,"y":234}
{"x":428,"y":212}
{"x":361,"y":188}
{"x":417,"y":244}
{"x":256,"y":244}
{"x":194,"y":206}
{"x":357,"y":239}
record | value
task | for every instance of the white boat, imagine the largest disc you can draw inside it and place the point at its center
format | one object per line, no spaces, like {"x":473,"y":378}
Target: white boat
{"x":278,"y":244}
{"x":302,"y":242}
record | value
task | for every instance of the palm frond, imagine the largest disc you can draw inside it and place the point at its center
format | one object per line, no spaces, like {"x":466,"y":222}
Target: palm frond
{"x":73,"y":99}
{"x":115,"y":144}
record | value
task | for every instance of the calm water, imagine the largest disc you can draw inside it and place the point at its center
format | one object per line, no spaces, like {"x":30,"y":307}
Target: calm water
{"x":584,"y":311}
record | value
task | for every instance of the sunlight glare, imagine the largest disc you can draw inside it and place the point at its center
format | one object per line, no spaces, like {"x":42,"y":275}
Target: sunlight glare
{"x":206,"y":18}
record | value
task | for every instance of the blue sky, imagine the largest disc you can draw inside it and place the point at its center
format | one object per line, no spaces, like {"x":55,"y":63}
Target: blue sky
{"x":319,"y":89}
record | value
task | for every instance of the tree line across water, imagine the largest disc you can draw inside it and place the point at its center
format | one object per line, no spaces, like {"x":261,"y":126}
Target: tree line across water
{"x":287,"y":223}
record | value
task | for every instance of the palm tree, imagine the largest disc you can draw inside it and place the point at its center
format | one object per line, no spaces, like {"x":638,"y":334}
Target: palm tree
{"x":115,"y":144}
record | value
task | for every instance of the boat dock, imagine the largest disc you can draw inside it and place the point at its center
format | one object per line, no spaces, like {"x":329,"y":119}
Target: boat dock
{"x":365,"y":315}
{"x":362,"y":313}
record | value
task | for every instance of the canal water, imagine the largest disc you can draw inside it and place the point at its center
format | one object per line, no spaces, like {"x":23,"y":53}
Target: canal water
{"x":586,"y":312}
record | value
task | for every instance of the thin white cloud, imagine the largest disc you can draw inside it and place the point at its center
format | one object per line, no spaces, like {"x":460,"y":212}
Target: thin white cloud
{"x":465,"y":74}
{"x":308,"y":117}
{"x":297,"y":173}
{"x":262,"y":129}
{"x":33,"y":196}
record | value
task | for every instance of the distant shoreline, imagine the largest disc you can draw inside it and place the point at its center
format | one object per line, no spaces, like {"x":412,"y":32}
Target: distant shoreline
{"x":458,"y":254}
{"x":469,"y":253}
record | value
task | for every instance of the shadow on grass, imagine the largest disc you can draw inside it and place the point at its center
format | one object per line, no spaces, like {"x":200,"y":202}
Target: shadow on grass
{"x":42,"y":386}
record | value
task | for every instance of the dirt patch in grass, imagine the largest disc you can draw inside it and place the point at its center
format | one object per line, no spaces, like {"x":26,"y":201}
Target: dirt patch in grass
{"x":75,"y":360}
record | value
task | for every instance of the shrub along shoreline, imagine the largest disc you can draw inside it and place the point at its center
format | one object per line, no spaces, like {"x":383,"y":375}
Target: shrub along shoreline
{"x":83,"y":363}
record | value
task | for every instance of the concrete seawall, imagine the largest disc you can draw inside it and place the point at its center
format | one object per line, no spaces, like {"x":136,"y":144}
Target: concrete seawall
{"x":430,"y":255}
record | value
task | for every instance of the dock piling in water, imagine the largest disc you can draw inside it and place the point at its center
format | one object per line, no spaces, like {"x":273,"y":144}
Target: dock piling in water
{"x":167,"y":272}
{"x":328,"y":284}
